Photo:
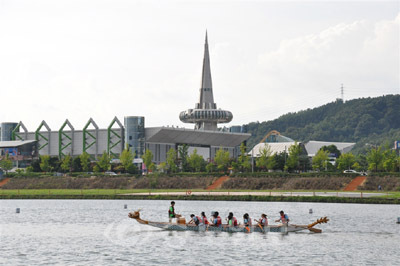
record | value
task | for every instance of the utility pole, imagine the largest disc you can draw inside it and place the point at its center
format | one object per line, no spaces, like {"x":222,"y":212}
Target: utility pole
{"x":252,"y":160}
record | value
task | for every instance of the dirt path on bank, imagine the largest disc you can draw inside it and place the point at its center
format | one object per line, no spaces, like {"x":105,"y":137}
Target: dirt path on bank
{"x":4,"y":181}
{"x":218,"y":183}
{"x":355,"y":183}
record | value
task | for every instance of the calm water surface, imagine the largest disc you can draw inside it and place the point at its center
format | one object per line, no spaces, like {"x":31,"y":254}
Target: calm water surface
{"x":99,"y":232}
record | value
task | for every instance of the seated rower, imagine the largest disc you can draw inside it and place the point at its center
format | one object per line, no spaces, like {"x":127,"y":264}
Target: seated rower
{"x":204,"y":218}
{"x":232,"y":221}
{"x":217,"y":220}
{"x":246,"y":219}
{"x":284,"y":218}
{"x":263,"y":221}
{"x":195,"y":220}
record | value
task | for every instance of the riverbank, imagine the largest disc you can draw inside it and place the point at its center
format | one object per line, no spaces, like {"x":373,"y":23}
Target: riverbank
{"x":267,"y":196}
{"x":272,"y":181}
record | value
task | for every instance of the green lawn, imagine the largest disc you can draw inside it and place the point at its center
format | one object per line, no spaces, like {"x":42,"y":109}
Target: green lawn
{"x":125,"y":191}
{"x":80,"y":191}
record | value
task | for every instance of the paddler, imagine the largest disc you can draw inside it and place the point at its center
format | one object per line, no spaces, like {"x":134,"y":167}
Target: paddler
{"x":195,"y":220}
{"x":217,"y":219}
{"x":204,"y":218}
{"x":263,"y":221}
{"x":284,"y":218}
{"x":246,"y":219}
{"x":232,"y":221}
{"x":171,"y":211}
{"x":247,"y":222}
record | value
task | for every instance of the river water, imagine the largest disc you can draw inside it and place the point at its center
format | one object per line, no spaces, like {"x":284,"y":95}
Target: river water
{"x":99,"y":232}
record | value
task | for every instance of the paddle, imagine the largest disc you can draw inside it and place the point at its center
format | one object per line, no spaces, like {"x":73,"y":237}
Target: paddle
{"x":312,"y":229}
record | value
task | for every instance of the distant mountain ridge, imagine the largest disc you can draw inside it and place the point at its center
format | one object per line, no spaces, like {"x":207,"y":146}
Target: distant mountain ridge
{"x":365,"y":120}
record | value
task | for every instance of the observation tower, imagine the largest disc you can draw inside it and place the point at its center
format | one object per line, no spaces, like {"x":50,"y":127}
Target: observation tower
{"x":205,"y":115}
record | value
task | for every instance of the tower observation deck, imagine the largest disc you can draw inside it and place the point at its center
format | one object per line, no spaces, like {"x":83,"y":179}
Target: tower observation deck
{"x":205,"y":115}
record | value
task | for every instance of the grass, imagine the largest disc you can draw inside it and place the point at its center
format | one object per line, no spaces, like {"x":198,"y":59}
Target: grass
{"x":126,"y":191}
{"x":80,"y":191}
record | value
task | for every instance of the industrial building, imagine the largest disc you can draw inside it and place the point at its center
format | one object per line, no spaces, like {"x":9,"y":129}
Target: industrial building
{"x":278,"y":143}
{"x":67,"y":140}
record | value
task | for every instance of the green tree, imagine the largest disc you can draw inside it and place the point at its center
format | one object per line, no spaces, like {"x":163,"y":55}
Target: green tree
{"x":162,"y":167}
{"x":45,"y":163}
{"x":126,"y":158}
{"x":96,"y":169}
{"x":195,"y":161}
{"x":375,"y":159}
{"x":222,"y":159}
{"x":183,"y":156}
{"x":6,"y":164}
{"x":346,"y":161}
{"x":210,"y":167}
{"x":148,"y":159}
{"x":243,"y":162}
{"x":131,"y":169}
{"x":292,"y":162}
{"x":361,"y":160}
{"x":104,"y":162}
{"x":331,"y":149}
{"x":66,"y":163}
{"x":262,"y":162}
{"x":171,"y":161}
{"x":85,"y":161}
{"x":320,"y":160}
{"x":76,"y":164}
{"x":279,"y":160}
{"x":390,"y":161}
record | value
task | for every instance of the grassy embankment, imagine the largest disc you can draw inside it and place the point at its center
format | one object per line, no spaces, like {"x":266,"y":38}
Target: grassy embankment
{"x":47,"y":187}
{"x":390,"y":198}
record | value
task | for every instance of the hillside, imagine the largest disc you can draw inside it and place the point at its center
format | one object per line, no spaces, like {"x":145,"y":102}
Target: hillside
{"x":365,"y":120}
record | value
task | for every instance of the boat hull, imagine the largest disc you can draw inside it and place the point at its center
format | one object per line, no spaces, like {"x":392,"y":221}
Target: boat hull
{"x":225,"y":228}
{"x":282,"y":228}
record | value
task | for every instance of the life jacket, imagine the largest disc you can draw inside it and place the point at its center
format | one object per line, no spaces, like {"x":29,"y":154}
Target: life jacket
{"x":235,"y":222}
{"x":264,"y":222}
{"x":171,"y":212}
{"x":205,"y":221}
{"x":219,"y":221}
{"x":197,"y":221}
{"x":284,"y":218}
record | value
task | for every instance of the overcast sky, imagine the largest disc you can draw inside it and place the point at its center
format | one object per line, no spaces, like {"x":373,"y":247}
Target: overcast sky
{"x":80,"y":59}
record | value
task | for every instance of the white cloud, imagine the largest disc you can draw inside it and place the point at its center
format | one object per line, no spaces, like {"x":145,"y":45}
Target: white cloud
{"x":307,"y":71}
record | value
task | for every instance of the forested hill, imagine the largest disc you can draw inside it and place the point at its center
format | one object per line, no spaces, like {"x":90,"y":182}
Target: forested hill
{"x":365,"y":120}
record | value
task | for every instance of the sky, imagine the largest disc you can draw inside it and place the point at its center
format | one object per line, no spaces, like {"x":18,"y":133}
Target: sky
{"x":81,"y":59}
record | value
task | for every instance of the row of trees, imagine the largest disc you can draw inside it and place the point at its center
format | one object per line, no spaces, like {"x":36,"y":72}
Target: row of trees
{"x":84,"y":163}
{"x":181,"y":161}
{"x":294,"y":160}
{"x":376,"y":160}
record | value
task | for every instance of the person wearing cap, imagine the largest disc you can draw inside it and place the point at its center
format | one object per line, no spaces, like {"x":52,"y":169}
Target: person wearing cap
{"x":284,"y":218}
{"x":171,"y":211}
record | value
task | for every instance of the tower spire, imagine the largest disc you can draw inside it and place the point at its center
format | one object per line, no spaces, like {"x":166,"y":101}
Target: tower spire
{"x":205,"y":115}
{"x":206,"y":100}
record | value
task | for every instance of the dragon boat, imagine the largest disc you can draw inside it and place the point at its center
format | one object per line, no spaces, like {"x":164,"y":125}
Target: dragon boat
{"x":181,"y":225}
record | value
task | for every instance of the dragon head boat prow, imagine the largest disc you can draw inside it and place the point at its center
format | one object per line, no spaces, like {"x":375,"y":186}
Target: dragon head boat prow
{"x":322,"y":220}
{"x":136,"y":215}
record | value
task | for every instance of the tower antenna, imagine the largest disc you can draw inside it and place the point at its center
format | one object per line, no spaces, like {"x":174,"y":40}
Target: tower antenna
{"x":342,"y":92}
